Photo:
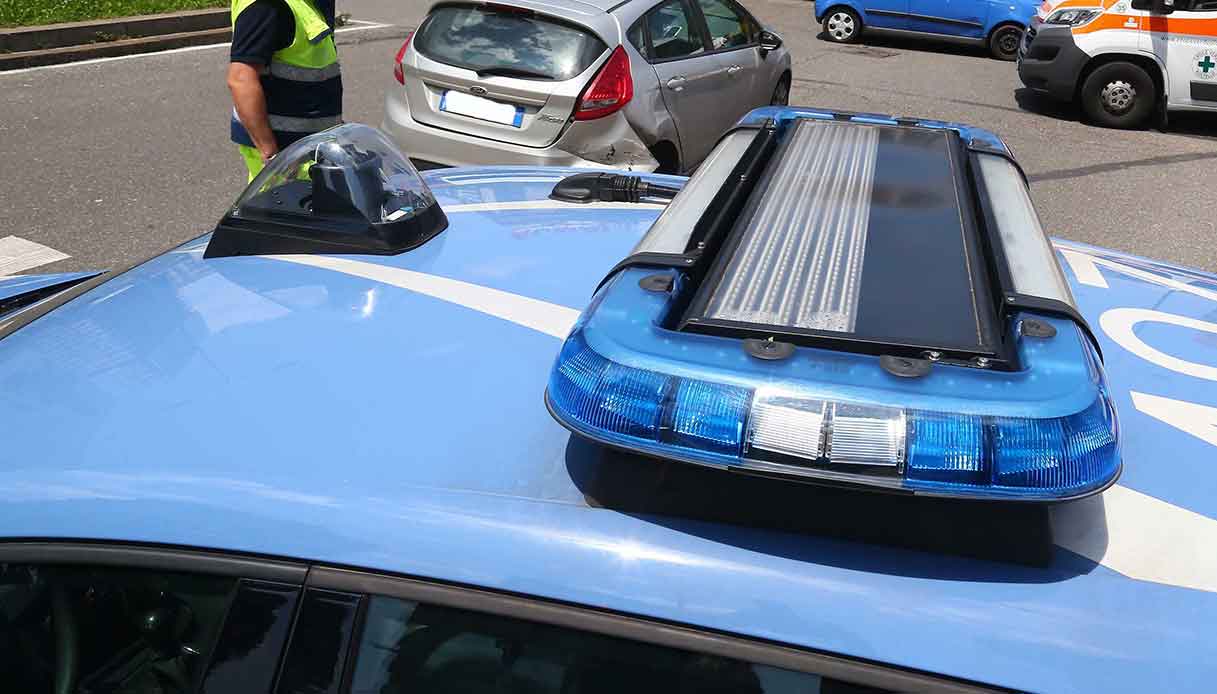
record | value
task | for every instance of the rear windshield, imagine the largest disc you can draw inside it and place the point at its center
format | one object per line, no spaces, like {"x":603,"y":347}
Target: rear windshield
{"x":508,"y":42}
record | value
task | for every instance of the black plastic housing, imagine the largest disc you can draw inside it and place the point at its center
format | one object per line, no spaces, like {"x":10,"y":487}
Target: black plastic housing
{"x":272,"y":223}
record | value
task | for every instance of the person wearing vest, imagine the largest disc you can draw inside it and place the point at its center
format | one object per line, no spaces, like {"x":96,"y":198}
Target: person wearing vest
{"x":283,"y":74}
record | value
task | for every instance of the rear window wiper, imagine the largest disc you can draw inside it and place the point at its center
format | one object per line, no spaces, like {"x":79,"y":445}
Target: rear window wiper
{"x":504,"y":71}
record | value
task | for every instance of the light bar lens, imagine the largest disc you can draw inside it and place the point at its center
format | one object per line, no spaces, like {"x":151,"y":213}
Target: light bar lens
{"x":947,"y":448}
{"x":708,"y":416}
{"x":1029,"y":255}
{"x":931,"y":452}
{"x":1035,"y":454}
{"x":671,"y":232}
{"x":609,"y":396}
{"x":637,"y":408}
{"x":867,"y":435}
{"x":800,"y":257}
{"x":787,"y":426}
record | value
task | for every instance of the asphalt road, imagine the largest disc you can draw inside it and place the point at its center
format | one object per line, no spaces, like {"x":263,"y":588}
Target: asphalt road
{"x":111,"y":162}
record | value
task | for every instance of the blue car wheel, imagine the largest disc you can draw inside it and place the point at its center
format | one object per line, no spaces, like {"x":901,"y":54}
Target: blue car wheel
{"x":842,"y":25}
{"x":1004,"y":41}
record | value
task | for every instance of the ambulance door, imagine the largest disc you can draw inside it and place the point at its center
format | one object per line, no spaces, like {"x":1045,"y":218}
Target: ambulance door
{"x":1185,"y":41}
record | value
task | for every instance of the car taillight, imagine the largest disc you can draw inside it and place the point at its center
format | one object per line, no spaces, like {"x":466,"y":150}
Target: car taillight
{"x":611,"y":88}
{"x":401,"y":54}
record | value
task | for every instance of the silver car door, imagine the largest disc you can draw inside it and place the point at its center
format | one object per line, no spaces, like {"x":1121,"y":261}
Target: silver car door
{"x":691,"y":77}
{"x":735,"y":38}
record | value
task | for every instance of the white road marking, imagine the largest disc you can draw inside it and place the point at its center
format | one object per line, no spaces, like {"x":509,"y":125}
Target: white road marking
{"x":549,"y":205}
{"x":1085,"y":268}
{"x":466,"y":180}
{"x":1196,"y":419}
{"x":1141,"y":537}
{"x":1120,"y":325}
{"x":188,"y":49}
{"x":18,"y":255}
{"x":542,"y":316}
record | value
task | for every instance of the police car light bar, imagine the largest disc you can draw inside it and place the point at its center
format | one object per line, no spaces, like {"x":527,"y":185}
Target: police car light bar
{"x":800,"y":256}
{"x":752,"y":330}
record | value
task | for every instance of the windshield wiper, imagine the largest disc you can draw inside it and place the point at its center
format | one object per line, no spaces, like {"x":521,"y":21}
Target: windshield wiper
{"x":504,"y":71}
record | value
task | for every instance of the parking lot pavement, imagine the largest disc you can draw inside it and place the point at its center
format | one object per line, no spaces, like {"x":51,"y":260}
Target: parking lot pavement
{"x":111,"y":162}
{"x":408,"y":12}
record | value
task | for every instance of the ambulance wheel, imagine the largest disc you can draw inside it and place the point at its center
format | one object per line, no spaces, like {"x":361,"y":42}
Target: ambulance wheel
{"x":1118,"y":95}
{"x":842,"y":25}
{"x":1004,"y":41}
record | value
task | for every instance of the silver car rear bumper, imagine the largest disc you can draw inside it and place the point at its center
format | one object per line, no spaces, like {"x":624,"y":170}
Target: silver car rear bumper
{"x":608,"y":141}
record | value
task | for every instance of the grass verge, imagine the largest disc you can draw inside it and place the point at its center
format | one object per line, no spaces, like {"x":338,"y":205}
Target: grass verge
{"x":16,"y":13}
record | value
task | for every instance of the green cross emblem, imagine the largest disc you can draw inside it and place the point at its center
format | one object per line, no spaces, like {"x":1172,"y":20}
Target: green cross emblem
{"x":1206,"y":64}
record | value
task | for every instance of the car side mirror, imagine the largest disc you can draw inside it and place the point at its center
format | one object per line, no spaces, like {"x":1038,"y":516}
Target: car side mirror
{"x":1154,"y":6}
{"x":770,"y":41}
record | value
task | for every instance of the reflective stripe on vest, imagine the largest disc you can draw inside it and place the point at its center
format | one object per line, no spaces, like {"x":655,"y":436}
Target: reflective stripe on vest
{"x":295,"y":73}
{"x":303,"y":81}
{"x":292,"y":124}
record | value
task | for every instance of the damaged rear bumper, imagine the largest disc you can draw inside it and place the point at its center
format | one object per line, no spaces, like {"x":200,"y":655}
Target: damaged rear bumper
{"x":608,"y":141}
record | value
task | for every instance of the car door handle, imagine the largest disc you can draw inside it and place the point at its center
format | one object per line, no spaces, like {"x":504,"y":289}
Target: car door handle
{"x":677,"y":83}
{"x":734,"y":69}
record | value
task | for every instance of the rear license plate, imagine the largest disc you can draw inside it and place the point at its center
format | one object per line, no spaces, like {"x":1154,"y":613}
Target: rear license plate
{"x":482,"y":109}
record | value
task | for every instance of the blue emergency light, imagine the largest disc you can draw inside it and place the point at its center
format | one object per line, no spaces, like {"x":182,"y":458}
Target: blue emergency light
{"x":848,"y":301}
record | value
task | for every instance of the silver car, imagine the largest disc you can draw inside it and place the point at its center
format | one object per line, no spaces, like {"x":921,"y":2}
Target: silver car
{"x":640,"y":84}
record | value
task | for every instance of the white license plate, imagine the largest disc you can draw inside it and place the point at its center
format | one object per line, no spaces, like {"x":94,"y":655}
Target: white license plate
{"x":482,"y":109}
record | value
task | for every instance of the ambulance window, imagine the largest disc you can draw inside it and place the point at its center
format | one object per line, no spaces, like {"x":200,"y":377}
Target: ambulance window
{"x":1200,"y":5}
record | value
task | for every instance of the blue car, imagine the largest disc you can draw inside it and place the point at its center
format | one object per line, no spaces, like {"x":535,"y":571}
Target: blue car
{"x":832,"y":415}
{"x":996,"y":25}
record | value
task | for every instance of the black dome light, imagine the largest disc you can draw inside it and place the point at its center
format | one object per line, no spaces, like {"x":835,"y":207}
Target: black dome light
{"x":345,"y":190}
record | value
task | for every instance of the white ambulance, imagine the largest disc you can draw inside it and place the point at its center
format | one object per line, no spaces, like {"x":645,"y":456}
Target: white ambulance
{"x":1124,"y":60}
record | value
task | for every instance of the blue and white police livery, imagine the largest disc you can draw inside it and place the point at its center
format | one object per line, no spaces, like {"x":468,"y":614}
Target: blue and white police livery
{"x":624,"y":417}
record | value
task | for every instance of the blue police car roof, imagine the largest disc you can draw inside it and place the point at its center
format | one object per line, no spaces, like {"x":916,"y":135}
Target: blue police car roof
{"x":386,"y":412}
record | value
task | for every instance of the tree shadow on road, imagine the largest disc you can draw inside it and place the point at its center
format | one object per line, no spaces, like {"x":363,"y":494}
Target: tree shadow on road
{"x":1043,"y":105}
{"x":1201,"y":126}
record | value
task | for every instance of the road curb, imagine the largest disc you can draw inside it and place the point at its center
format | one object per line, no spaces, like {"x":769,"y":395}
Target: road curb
{"x":60,"y":43}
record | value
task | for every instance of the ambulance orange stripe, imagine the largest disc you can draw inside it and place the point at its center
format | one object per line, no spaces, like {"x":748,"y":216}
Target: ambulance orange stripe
{"x":1180,"y":25}
{"x":1159,"y":24}
{"x":1109,"y":21}
{"x":1105,"y":4}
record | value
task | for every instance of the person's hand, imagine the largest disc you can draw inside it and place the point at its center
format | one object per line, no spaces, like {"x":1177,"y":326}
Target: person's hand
{"x":268,"y":152}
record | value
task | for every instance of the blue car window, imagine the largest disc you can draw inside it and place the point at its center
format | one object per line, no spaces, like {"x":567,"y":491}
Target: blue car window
{"x":411,"y":647}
